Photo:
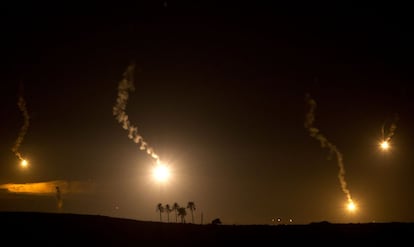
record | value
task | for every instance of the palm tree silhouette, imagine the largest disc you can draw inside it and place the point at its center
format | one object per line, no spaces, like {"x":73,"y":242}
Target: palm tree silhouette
{"x":182,"y":213}
{"x":191,"y":206}
{"x":175,"y":207}
{"x":168,"y":210}
{"x":160,"y":208}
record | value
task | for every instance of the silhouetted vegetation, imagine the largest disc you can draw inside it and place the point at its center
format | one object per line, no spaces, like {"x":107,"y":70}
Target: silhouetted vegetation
{"x":191,"y":206}
{"x":175,"y":208}
{"x":216,"y":221}
{"x":182,"y":213}
{"x":160,"y":209}
{"x":168,"y":210}
{"x":55,"y":229}
{"x":179,"y":211}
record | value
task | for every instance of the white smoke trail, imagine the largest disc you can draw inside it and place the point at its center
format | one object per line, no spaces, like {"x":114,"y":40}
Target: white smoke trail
{"x":391,"y":131}
{"x":22,"y":106}
{"x":124,"y":86}
{"x":315,"y":133}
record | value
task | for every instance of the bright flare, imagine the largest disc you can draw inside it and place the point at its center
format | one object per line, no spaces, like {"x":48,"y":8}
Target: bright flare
{"x":385,"y":145}
{"x":24,"y":163}
{"x":161,"y":173}
{"x":351,"y":206}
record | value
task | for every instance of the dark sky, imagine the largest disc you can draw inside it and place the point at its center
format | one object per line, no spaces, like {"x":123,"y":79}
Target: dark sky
{"x":220,"y":96}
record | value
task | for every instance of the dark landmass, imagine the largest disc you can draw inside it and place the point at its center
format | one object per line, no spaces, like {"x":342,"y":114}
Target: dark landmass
{"x":79,"y":230}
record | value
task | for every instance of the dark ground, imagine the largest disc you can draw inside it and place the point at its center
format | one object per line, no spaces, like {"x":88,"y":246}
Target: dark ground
{"x":28,"y":228}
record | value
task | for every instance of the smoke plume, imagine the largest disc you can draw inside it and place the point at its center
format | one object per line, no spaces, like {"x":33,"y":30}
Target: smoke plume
{"x":315,"y":133}
{"x":386,"y":137}
{"x":124,"y":87}
{"x":22,"y":106}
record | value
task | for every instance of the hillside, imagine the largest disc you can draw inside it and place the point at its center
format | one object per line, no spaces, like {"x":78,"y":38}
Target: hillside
{"x":78,"y":230}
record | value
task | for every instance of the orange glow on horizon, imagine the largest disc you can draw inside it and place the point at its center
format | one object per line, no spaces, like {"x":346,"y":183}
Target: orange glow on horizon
{"x":45,"y":188}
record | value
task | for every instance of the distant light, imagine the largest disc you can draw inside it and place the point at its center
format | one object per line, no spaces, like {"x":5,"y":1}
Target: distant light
{"x":24,"y":163}
{"x":161,"y":173}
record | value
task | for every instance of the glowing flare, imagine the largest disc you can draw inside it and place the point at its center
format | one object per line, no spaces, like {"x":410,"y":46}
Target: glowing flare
{"x":24,"y":163}
{"x":15,"y":149}
{"x":161,"y":173}
{"x":351,"y":206}
{"x":385,"y":145}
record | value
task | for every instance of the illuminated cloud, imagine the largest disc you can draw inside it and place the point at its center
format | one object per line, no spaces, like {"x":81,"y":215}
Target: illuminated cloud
{"x":49,"y":187}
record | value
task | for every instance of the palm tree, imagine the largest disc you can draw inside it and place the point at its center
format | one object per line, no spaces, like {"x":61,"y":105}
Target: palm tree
{"x":160,"y":208}
{"x":175,"y":207}
{"x":182,"y":213}
{"x":168,"y":210}
{"x":191,"y":206}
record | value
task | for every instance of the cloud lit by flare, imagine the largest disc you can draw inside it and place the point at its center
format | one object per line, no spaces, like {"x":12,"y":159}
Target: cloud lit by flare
{"x":49,"y":187}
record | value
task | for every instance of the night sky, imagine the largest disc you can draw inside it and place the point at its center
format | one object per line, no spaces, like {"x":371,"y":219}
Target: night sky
{"x":220,"y":96}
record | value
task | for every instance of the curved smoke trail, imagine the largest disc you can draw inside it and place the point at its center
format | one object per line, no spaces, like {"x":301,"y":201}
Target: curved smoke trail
{"x":22,"y":106}
{"x":315,"y":133}
{"x":126,"y":85}
{"x":387,"y":137}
